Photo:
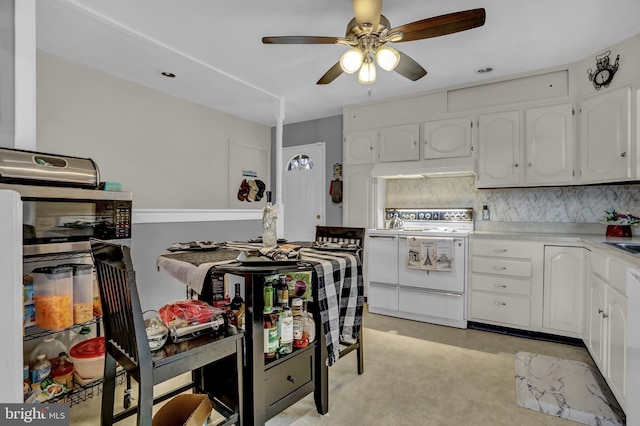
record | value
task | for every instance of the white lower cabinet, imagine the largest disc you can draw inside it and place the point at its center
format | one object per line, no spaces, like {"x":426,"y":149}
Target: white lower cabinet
{"x":563,"y":289}
{"x":605,"y":334}
{"x":501,"y":282}
{"x":616,"y":344}
{"x":382,"y":272}
{"x":527,"y":285}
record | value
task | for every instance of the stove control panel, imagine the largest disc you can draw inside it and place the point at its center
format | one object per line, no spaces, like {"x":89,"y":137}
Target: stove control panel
{"x":431,"y":215}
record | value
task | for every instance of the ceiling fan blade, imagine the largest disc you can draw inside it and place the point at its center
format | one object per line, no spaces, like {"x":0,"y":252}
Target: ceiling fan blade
{"x":367,"y":12}
{"x":300,"y":40}
{"x":409,"y":68}
{"x":441,"y":25}
{"x":333,"y":73}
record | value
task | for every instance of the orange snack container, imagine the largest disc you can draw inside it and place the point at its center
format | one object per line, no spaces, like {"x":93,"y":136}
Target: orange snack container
{"x":53,"y":288}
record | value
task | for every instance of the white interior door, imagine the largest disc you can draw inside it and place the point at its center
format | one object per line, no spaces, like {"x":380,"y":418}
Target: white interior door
{"x":304,"y":190}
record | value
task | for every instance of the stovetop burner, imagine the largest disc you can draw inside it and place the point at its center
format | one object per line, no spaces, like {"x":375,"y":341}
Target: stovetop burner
{"x":433,"y":220}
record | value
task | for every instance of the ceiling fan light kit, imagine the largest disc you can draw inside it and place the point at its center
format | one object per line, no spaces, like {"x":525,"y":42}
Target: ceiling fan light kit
{"x":351,"y":60}
{"x":387,"y":57}
{"x":367,"y":73}
{"x":369,"y":31}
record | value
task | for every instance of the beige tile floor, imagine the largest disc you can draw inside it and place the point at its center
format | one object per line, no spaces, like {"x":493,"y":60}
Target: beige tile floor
{"x":416,"y":374}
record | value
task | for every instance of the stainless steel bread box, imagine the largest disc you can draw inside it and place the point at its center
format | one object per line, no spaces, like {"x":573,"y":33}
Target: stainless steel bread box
{"x":39,"y":168}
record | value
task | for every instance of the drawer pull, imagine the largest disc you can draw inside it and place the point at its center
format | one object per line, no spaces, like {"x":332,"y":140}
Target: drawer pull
{"x":499,"y":303}
{"x":500,"y":268}
{"x":291,"y":379}
{"x":500,"y":285}
{"x":500,"y":250}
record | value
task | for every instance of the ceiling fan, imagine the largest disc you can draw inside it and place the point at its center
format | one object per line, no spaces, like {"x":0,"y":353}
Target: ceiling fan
{"x":368,"y":34}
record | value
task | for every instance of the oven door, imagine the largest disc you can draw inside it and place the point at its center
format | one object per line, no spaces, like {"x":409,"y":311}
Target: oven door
{"x":451,"y":281}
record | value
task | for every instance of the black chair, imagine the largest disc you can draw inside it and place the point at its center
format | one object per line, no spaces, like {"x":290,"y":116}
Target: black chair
{"x":127,"y":344}
{"x":339,"y":234}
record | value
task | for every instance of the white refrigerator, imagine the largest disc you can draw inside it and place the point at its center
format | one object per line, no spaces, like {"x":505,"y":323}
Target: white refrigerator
{"x":11,"y":359}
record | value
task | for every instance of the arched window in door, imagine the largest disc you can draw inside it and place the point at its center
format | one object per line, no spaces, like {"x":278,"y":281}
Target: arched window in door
{"x":300,"y":162}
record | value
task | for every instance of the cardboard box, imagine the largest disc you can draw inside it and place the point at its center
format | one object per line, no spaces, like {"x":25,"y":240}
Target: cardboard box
{"x":184,"y":410}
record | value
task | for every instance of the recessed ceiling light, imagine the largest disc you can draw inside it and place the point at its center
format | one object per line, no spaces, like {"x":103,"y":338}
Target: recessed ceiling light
{"x":168,"y":74}
{"x":484,"y":70}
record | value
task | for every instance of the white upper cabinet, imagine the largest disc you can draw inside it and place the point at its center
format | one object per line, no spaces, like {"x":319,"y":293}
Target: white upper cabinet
{"x":499,"y":149}
{"x":550,"y":145}
{"x":446,"y":138}
{"x":399,"y":143}
{"x":605,"y":137}
{"x":544,"y":157}
{"x":359,"y":148}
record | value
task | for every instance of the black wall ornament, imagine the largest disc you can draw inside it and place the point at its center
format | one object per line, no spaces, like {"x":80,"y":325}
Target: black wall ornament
{"x":604,"y":72}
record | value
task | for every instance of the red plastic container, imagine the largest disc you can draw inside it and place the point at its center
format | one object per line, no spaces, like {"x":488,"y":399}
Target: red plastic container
{"x":88,"y":358}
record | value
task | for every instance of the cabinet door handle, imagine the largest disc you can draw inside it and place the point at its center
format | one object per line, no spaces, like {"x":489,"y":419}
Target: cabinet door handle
{"x":530,"y":164}
{"x":600,"y":311}
{"x":605,"y":315}
{"x":624,"y":154}
{"x":291,"y":379}
{"x":499,"y":303}
{"x":515,"y":165}
{"x":426,"y":142}
{"x":500,"y":285}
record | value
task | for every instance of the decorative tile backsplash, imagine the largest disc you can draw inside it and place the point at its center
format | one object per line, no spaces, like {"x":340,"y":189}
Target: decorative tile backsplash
{"x":568,"y":204}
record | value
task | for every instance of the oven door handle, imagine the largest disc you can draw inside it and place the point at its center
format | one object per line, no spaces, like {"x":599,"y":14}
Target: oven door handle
{"x":404,"y":237}
{"x":389,"y":237}
{"x":438,"y":292}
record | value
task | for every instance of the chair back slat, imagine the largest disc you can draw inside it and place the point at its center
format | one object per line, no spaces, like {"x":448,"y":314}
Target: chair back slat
{"x":341,"y":234}
{"x":124,"y":328}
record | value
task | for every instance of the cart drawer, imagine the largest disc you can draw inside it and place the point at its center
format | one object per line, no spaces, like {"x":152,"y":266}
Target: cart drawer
{"x":286,"y":378}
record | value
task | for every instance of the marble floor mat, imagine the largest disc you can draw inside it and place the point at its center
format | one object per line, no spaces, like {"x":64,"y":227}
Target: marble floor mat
{"x":569,"y":389}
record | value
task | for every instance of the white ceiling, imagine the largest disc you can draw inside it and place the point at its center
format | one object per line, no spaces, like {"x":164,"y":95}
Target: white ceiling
{"x":215,"y":47}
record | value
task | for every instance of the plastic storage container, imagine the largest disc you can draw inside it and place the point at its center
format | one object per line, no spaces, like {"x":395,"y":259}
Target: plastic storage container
{"x":82,"y":292}
{"x":88,"y":358}
{"x":53,"y":288}
{"x":50,"y":347}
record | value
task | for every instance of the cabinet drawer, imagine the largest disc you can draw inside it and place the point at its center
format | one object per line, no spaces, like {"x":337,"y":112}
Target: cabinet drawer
{"x":286,"y":378}
{"x":498,"y":284}
{"x":502,"y":248}
{"x":502,"y":308}
{"x":516,"y":268}
{"x":383,"y":296}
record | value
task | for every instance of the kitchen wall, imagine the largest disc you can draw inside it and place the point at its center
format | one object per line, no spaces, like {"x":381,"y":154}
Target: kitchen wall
{"x":328,"y":130}
{"x":171,"y":153}
{"x":577,"y":205}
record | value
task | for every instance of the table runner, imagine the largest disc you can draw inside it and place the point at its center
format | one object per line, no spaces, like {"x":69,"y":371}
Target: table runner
{"x":338,"y":280}
{"x":340,"y":301}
